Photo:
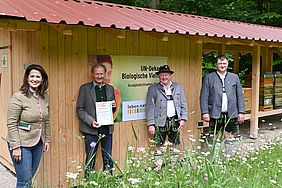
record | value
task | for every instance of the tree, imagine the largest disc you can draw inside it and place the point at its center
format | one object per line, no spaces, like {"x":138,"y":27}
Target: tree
{"x":268,"y":12}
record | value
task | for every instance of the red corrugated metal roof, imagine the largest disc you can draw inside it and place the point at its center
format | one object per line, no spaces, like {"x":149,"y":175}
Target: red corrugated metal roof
{"x":94,"y":13}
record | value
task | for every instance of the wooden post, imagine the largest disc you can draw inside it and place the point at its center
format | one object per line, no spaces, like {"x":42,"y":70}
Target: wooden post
{"x":221,"y":49}
{"x":269,"y":60}
{"x":236,"y":62}
{"x":255,"y":91}
{"x":264,"y":54}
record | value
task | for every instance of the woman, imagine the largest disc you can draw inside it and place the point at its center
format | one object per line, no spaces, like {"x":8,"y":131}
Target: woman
{"x":28,"y":124}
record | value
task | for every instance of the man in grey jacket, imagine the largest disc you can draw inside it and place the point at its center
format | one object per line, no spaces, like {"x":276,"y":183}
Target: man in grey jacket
{"x":166,"y":108}
{"x":222,"y":101}
{"x":89,"y":94}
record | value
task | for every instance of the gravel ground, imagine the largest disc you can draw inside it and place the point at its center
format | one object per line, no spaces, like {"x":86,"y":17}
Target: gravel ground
{"x":269,"y":129}
{"x":7,"y":178}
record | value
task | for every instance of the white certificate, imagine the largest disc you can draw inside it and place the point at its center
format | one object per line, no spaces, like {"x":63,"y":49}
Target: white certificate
{"x":104,"y":112}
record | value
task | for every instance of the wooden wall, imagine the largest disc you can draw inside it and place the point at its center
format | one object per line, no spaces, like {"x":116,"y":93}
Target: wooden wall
{"x":65,"y":58}
{"x":6,"y":84}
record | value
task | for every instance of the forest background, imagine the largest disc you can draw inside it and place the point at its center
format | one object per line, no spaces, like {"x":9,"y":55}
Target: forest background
{"x":265,"y":12}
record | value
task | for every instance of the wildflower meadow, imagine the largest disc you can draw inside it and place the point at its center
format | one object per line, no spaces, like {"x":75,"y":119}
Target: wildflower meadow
{"x":207,"y":164}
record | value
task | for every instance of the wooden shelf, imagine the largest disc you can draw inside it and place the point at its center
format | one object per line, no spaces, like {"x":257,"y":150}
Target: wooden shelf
{"x":265,"y":113}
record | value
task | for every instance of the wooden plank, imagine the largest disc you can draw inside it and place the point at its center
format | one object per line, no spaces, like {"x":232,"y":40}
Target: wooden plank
{"x":196,"y":96}
{"x":100,"y":42}
{"x":80,"y":67}
{"x":128,"y":43}
{"x":44,"y":40}
{"x":264,"y":62}
{"x":92,"y":41}
{"x":269,"y":60}
{"x":27,"y":26}
{"x":239,"y":48}
{"x":5,"y":95}
{"x":123,"y":143}
{"x":39,"y":176}
{"x":141,"y":44}
{"x":184,"y":66}
{"x":62,"y":110}
{"x":17,"y":37}
{"x":42,"y":43}
{"x":117,"y":33}
{"x":69,"y":57}
{"x":111,"y":44}
{"x":116,"y":145}
{"x":159,"y":36}
{"x":255,"y":91}
{"x":265,"y":113}
{"x":134,"y":42}
{"x":54,"y":101}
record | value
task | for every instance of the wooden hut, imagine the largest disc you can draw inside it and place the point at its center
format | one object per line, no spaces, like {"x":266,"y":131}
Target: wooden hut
{"x":61,"y":34}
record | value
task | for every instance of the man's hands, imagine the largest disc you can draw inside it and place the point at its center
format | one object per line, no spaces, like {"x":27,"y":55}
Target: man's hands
{"x":152,"y":129}
{"x":241,"y":118}
{"x":206,"y":117}
{"x":181,"y":124}
{"x":95,"y":124}
{"x":114,"y":104}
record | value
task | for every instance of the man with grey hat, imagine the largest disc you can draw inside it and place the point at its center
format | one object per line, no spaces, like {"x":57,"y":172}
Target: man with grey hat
{"x":166,"y":108}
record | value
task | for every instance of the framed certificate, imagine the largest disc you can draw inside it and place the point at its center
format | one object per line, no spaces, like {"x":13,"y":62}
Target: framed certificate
{"x":104,"y":113}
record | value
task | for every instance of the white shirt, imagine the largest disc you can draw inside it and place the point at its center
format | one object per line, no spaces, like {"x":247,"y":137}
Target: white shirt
{"x":170,"y":108}
{"x":224,"y":103}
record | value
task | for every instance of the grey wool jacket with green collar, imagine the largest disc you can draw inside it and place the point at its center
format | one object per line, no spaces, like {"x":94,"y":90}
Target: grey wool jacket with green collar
{"x":25,"y":110}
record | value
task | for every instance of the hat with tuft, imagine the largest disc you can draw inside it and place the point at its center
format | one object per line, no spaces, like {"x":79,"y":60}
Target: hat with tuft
{"x":164,"y":68}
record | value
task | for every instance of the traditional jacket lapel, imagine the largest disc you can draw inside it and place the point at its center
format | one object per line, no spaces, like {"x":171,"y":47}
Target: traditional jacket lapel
{"x":172,"y":87}
{"x":92,"y":93}
{"x":161,"y":90}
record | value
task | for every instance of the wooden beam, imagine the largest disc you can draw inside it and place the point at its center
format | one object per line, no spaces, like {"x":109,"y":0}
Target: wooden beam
{"x":160,"y":36}
{"x":264,"y":113}
{"x":14,"y":25}
{"x":62,"y":28}
{"x":210,"y":40}
{"x":28,"y":26}
{"x":118,"y":33}
{"x":230,"y":41}
{"x":228,"y":48}
{"x":5,"y":47}
{"x":270,"y":60}
{"x":4,"y":24}
{"x":221,"y":49}
{"x":255,"y":91}
{"x":273,"y":44}
{"x":196,"y":39}
{"x":233,"y":41}
{"x":264,"y":54}
{"x":266,"y":59}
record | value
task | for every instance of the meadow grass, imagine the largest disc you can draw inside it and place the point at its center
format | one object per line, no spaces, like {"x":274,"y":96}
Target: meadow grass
{"x":194,"y":168}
